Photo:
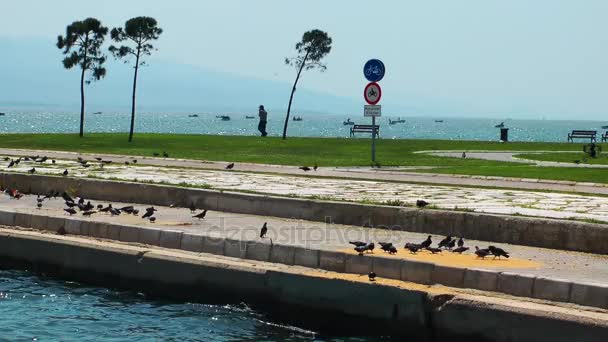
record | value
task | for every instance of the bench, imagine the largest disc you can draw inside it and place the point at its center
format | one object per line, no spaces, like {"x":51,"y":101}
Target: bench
{"x":605,"y":136}
{"x":578,"y":134}
{"x":365,"y":129}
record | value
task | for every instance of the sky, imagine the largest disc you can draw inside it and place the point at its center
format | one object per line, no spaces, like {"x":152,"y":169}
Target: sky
{"x":491,"y":58}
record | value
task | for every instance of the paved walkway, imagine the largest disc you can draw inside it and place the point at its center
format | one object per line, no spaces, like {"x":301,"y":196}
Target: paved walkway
{"x":364,"y":173}
{"x":511,"y":157}
{"x":498,"y":201}
{"x":580,"y":267}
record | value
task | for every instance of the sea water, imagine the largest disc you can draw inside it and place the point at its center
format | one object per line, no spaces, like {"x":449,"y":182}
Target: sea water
{"x":312,"y":125}
{"x":36,"y":308}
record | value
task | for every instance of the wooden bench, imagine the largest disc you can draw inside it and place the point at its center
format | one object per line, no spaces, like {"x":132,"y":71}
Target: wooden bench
{"x":365,"y":129}
{"x":579,"y":134}
{"x":605,"y":136}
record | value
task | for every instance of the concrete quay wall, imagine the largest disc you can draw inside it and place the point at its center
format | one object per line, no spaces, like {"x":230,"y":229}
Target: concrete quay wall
{"x":520,"y":285}
{"x":411,"y":312}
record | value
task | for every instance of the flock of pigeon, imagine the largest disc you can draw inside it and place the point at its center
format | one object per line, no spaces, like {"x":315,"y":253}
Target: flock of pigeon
{"x":448,"y":243}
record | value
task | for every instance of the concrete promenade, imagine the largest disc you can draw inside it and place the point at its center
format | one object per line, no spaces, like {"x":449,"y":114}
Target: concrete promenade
{"x":292,"y":182}
{"x":533,"y":262}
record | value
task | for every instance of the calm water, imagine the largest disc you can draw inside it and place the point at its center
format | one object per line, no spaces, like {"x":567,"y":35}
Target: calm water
{"x":314,"y":125}
{"x":36,"y":308}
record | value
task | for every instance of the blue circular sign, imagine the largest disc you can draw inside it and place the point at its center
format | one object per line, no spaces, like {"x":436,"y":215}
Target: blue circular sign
{"x":374,"y":70}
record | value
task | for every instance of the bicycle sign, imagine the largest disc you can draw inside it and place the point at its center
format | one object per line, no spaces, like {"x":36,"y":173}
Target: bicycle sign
{"x":374,"y":70}
{"x":372,"y":93}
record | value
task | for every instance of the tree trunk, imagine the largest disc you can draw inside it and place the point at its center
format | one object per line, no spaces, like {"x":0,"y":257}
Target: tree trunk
{"x":293,"y":90}
{"x":82,"y":103}
{"x":133,"y":99}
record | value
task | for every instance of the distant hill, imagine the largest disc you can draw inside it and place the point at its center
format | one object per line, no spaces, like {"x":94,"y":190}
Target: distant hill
{"x":32,"y":75}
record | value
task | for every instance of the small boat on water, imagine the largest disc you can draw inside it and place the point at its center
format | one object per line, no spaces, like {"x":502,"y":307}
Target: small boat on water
{"x":399,"y":120}
{"x":2,"y":114}
{"x":97,"y":113}
{"x":297,"y":118}
{"x":225,"y":117}
{"x":605,"y":127}
{"x":501,"y":125}
{"x":348,"y":122}
{"x":438,"y":120}
{"x":249,"y":117}
{"x":193,"y":116}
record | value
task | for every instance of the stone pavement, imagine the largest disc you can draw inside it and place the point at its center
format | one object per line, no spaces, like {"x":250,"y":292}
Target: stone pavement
{"x":572,"y":266}
{"x":498,"y":201}
{"x":364,"y":173}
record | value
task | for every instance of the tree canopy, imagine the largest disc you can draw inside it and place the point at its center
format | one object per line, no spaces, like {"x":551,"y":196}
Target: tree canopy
{"x":82,"y":45}
{"x":140,"y":31}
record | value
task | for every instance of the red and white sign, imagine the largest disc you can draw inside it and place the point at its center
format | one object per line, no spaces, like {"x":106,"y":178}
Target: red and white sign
{"x":372,"y":93}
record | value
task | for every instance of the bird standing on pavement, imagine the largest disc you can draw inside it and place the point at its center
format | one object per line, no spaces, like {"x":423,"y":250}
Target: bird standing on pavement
{"x":481,"y":253}
{"x":65,"y":173}
{"x":412,"y":247}
{"x":304,"y":168}
{"x":31,"y":171}
{"x":426,"y":243}
{"x":192,"y":208}
{"x":372,"y":276}
{"x":421,"y":203}
{"x":358,"y":243}
{"x":230,"y":166}
{"x":264,"y":230}
{"x":201,"y":215}
{"x":315,"y":167}
{"x":70,"y":211}
{"x":498,"y":252}
{"x":460,"y":250}
{"x":445,"y":242}
{"x":460,"y":242}
{"x":434,"y":250}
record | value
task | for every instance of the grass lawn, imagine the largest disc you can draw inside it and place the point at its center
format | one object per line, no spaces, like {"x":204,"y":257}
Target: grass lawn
{"x":566,"y":157}
{"x":307,"y":151}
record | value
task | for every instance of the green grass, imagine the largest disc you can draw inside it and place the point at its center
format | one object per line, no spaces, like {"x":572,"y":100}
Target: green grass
{"x":308,"y":151}
{"x":566,"y":157}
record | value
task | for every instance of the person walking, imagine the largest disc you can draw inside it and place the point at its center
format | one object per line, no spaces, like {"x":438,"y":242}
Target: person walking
{"x":263,"y":120}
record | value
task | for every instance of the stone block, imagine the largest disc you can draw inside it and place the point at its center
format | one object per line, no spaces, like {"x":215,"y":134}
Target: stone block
{"x":72,"y":226}
{"x":213,"y":245}
{"x":481,"y":279}
{"x":38,"y":222}
{"x":417,"y":272}
{"x":306,"y":257}
{"x":192,"y":243}
{"x":332,"y":261}
{"x":282,"y":254}
{"x":54,"y":223}
{"x":23,"y":220}
{"x":111,"y":232}
{"x":551,"y":289}
{"x":149,"y":236}
{"x":7,"y":218}
{"x":358,"y":264}
{"x":258,"y":251}
{"x":515,"y":284}
{"x":129,"y":234}
{"x":235,"y":248}
{"x":171,"y":239}
{"x":590,"y":294}
{"x":387,"y":267}
{"x":448,"y":276}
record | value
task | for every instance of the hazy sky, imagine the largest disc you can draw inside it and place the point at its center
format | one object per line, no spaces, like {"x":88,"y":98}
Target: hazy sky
{"x":520,"y":58}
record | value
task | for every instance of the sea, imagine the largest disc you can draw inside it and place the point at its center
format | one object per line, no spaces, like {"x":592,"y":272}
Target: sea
{"x":35,"y":307}
{"x":312,"y":125}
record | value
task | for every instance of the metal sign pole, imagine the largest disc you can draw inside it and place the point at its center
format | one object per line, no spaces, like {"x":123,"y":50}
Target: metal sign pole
{"x":374,"y":138}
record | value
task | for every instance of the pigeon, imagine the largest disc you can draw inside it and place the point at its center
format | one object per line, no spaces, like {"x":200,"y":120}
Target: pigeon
{"x":445,"y":242}
{"x":11,"y":164}
{"x":460,"y":250}
{"x":230,"y":166}
{"x":412,"y":247}
{"x":372,"y":276}
{"x":152,"y":219}
{"x":421,"y":203}
{"x":464,"y":154}
{"x":98,"y":159}
{"x":135,"y":212}
{"x":53,"y":161}
{"x":201,"y":215}
{"x":81,"y":200}
{"x":128,"y":209}
{"x":155,"y":154}
{"x":433,"y":250}
{"x":315,"y":167}
{"x":392,"y":250}
{"x":134,"y":161}
{"x":460,"y":242}
{"x":67,"y":197}
{"x":70,"y":211}
{"x":358,"y":243}
{"x":498,"y":252}
{"x":88,"y":212}
{"x":426,"y":243}
{"x":70,"y":204}
{"x":370,"y":247}
{"x":361,"y":249}
{"x":192,"y":208}
{"x":151,"y":209}
{"x":148,"y":214}
{"x":452,"y":244}
{"x":106,"y":209}
{"x":99,"y":207}
{"x":88,"y":206}
{"x":7,"y":158}
{"x":385,"y":246}
{"x":165,"y":154}
{"x":304,"y":168}
{"x":65,"y":173}
{"x":481,"y":253}
{"x":114,"y":212}
{"x":127,"y":163}
{"x":264,"y":230}
{"x":31,"y":171}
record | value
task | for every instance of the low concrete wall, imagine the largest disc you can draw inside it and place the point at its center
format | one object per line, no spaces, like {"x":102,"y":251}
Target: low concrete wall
{"x":408,"y":270}
{"x":384,"y":309}
{"x":538,"y":232}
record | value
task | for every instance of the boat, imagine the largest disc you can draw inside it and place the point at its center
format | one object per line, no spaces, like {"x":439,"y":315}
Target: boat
{"x":501,"y":125}
{"x":97,"y":113}
{"x":438,"y":120}
{"x":348,"y":122}
{"x":2,"y":114}
{"x":225,"y":117}
{"x":297,"y":118}
{"x":399,"y":120}
{"x":249,"y":117}
{"x":605,"y":127}
{"x":193,"y":116}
